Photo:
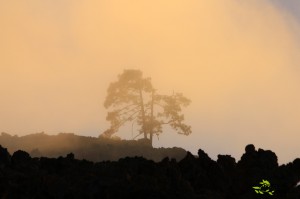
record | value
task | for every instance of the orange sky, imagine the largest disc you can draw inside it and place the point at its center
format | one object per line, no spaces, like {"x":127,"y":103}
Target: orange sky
{"x":237,"y":61}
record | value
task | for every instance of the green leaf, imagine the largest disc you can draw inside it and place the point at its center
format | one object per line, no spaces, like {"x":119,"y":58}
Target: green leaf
{"x":270,"y":193}
{"x":256,"y":187}
{"x":261,"y":192}
{"x":256,"y":191}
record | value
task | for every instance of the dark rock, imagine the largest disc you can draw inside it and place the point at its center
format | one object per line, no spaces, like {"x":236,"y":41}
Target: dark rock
{"x":226,"y":163}
{"x":249,"y":158}
{"x":20,"y":156}
{"x":137,"y":177}
{"x":250,"y":148}
{"x":5,"y":157}
{"x":267,"y":159}
{"x":70,"y":156}
{"x":204,"y":160}
{"x":261,"y":158}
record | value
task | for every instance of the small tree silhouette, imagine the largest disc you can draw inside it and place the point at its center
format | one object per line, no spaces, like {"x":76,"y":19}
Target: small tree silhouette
{"x":133,"y":98}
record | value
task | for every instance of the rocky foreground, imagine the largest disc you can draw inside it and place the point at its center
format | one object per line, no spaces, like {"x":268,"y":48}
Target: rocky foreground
{"x":136,"y":177}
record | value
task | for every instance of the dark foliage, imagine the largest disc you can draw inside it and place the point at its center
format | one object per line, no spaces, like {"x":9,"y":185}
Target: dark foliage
{"x":22,"y":176}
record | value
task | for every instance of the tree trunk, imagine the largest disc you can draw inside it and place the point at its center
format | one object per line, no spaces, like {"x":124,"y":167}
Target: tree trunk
{"x":151,"y":120}
{"x":143,"y":113}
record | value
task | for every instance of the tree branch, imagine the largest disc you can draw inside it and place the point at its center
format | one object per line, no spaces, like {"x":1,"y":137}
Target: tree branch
{"x":167,"y":122}
{"x":125,"y":120}
{"x":159,"y":104}
{"x":129,"y":110}
{"x":125,"y":107}
{"x":138,"y":135}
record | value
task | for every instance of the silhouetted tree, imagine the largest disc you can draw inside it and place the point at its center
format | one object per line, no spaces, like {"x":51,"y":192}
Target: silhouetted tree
{"x":133,"y":97}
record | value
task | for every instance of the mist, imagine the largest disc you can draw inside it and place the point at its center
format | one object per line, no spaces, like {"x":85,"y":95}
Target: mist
{"x":238,"y":62}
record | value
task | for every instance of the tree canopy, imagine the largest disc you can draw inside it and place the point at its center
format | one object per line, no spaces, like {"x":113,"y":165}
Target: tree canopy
{"x":132,"y":98}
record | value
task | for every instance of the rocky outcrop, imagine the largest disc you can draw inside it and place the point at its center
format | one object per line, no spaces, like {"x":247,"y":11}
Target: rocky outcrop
{"x":4,"y":157}
{"x":22,"y":176}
